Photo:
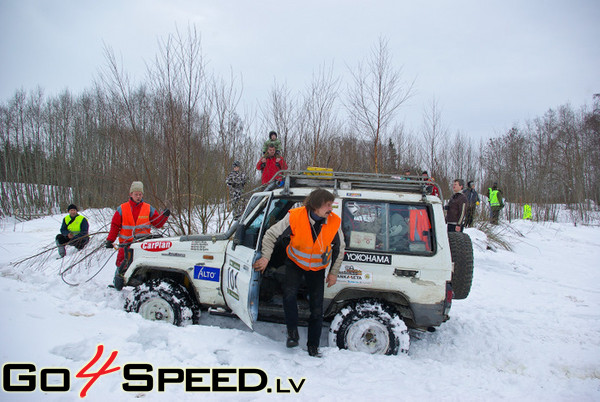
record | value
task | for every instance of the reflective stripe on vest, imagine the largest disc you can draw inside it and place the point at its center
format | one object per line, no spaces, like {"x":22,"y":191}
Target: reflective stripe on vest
{"x":309,"y":255}
{"x":494,"y":202}
{"x":419,"y":226}
{"x":75,"y":225}
{"x":129,"y":227}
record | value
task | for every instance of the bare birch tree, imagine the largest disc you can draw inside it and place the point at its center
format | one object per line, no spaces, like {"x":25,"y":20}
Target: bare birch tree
{"x":376,"y":95}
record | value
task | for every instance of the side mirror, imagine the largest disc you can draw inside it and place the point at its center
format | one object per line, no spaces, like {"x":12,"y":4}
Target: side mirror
{"x":238,"y":238}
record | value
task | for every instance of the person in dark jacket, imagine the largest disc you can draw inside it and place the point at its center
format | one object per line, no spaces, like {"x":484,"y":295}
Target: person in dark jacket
{"x":472,"y":202}
{"x":457,"y":207}
{"x":73,"y":231}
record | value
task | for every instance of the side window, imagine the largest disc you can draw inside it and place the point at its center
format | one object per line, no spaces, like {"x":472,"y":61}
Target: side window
{"x":278,"y":209}
{"x":387,"y":227}
{"x":253,"y":219}
{"x":364,"y":225}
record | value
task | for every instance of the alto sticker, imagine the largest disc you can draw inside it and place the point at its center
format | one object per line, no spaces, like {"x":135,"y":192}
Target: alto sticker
{"x":207,"y":273}
{"x":383,"y":259}
{"x":156,"y":246}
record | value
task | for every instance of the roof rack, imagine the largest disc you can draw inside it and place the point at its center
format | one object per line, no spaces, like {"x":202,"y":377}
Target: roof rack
{"x":351,"y":181}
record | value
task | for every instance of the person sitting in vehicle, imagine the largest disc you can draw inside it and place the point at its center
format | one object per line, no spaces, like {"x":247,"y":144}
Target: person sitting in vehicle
{"x":398,"y":233}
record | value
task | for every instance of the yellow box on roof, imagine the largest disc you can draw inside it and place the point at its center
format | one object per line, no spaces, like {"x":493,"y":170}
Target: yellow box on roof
{"x":318,"y":171}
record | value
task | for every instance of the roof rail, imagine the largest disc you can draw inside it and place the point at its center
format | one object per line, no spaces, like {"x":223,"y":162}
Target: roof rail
{"x":353,"y":181}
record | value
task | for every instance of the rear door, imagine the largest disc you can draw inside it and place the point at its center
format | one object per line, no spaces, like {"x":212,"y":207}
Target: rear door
{"x":240,"y":283}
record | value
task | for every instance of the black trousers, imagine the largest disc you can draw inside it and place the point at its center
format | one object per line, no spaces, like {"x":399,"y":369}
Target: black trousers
{"x":315,"y":282}
{"x":78,"y":243}
{"x":470,"y":215}
{"x":452,"y":228}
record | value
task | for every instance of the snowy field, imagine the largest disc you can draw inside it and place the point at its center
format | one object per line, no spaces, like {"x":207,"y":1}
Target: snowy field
{"x":530,"y":330}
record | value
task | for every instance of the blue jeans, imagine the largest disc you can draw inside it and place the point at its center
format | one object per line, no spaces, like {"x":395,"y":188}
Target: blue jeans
{"x":315,"y":282}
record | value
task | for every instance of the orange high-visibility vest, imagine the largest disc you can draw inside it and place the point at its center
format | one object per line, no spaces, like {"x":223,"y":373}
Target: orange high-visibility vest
{"x":419,"y":226}
{"x":129,"y":227}
{"x":309,"y":255}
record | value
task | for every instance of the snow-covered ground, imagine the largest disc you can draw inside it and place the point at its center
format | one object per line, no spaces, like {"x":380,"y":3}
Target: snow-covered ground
{"x":530,"y":330}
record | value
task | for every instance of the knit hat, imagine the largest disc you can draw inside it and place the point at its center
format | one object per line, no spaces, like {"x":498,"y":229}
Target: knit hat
{"x":136,"y":186}
{"x":236,"y":163}
{"x":72,"y":206}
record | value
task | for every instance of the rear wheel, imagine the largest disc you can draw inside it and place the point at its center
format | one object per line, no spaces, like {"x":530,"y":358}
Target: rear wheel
{"x":369,"y":326}
{"x":461,"y":251}
{"x":162,"y":300}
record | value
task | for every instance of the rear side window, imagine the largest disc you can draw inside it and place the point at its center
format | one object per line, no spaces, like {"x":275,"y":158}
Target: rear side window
{"x":387,"y":227}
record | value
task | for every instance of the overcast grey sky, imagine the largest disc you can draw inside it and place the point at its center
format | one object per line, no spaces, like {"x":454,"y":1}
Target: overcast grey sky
{"x":489,"y":64}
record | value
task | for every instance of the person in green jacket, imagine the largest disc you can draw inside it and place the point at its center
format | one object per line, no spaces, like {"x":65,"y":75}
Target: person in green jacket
{"x":272,"y":141}
{"x":73,"y":231}
{"x":527,"y":211}
{"x":496,"y":203}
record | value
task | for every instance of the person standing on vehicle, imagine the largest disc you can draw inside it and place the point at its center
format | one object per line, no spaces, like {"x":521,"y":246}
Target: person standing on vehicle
{"x":273,"y":140}
{"x":432,"y":188}
{"x":270,"y":164}
{"x":472,"y":202}
{"x":132,"y":218}
{"x":73,"y":231}
{"x":316,"y":242}
{"x":496,"y":203}
{"x":457,"y":207}
{"x":236,"y":180}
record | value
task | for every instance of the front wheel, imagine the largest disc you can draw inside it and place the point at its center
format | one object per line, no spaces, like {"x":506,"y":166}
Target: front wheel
{"x":369,"y":326}
{"x":162,"y":300}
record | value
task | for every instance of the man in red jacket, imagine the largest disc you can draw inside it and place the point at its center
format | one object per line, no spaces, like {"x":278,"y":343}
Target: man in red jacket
{"x":134,"y":217}
{"x":270,"y":164}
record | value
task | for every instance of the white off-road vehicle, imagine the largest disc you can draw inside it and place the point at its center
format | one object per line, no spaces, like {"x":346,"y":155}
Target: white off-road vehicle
{"x":401,"y":268}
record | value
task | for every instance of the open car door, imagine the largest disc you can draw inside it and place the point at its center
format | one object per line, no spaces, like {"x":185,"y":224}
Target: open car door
{"x":240,"y":283}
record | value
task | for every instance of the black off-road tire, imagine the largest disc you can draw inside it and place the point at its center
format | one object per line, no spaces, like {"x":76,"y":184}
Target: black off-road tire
{"x":369,"y":326}
{"x":163,"y":300}
{"x":461,"y":250}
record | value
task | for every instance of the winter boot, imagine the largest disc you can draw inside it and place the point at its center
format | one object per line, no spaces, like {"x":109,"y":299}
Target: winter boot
{"x":61,"y":251}
{"x":292,"y":338}
{"x":314,"y":351}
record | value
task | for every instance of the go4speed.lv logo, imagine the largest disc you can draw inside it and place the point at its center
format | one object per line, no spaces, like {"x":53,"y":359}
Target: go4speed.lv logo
{"x":142,"y":377}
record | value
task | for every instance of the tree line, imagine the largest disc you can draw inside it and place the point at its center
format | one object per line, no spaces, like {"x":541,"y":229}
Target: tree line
{"x":180,"y":130}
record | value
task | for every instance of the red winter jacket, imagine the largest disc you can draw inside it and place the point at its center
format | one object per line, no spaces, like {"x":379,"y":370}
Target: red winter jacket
{"x":270,"y":167}
{"x":157,"y":220}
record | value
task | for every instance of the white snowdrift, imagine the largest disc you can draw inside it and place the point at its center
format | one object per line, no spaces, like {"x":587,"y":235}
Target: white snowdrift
{"x":530,"y":330}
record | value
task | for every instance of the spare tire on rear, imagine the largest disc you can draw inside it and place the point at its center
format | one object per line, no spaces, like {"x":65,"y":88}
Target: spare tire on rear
{"x":461,"y":250}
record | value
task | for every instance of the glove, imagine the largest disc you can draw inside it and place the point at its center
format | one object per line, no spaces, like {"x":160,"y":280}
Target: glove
{"x":109,"y":244}
{"x":166,"y":213}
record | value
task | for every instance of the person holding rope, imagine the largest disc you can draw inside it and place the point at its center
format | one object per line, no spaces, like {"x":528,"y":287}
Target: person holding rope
{"x":73,"y":231}
{"x":132,"y":218}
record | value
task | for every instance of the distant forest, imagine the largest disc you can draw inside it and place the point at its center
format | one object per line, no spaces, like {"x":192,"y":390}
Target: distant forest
{"x":180,"y":130}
